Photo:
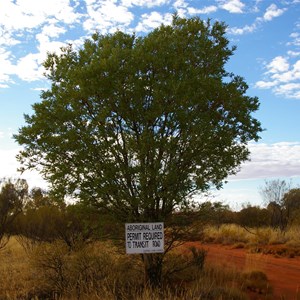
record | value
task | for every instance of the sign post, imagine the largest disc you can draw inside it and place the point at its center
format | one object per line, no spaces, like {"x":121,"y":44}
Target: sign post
{"x":144,"y":238}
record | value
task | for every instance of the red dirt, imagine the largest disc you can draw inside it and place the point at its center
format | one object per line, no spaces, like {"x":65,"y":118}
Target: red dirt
{"x":283,"y":273}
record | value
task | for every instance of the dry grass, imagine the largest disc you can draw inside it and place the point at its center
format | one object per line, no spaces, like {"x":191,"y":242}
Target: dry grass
{"x":100,"y":271}
{"x":16,"y":275}
{"x":257,"y":239}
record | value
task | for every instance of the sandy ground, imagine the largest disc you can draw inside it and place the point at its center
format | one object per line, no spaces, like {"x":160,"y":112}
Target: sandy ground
{"x":283,"y":273}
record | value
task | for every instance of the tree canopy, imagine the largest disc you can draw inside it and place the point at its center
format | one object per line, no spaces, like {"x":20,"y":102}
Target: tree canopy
{"x":139,"y":124}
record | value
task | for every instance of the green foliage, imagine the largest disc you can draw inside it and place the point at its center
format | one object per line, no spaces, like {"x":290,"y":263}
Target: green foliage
{"x":215,"y":213}
{"x":139,"y":124}
{"x":291,"y":202}
{"x":12,"y":198}
{"x":47,"y":224}
{"x":38,"y":224}
{"x":254,"y":216}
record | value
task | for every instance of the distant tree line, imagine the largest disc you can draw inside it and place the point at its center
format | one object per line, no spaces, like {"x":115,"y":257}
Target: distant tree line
{"x":40,"y":217}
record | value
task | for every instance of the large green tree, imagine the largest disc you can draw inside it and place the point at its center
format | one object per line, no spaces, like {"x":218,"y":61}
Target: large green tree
{"x":140,"y":124}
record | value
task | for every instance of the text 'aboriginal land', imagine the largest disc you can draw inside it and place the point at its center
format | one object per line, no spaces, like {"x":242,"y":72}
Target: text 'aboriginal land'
{"x":144,"y":238}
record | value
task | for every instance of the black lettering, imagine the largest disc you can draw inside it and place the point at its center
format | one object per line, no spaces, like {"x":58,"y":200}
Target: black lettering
{"x":134,"y":236}
{"x":140,"y":244}
{"x":152,"y":235}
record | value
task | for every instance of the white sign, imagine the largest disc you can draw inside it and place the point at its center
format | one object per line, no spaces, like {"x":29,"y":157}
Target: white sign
{"x":144,"y":238}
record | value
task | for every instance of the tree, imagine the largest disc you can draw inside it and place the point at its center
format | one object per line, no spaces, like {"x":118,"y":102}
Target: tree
{"x":12,"y":197}
{"x":273,"y":195}
{"x":291,"y":202}
{"x":215,"y":213}
{"x":274,"y":191}
{"x":138,"y":125}
{"x":253,"y":216}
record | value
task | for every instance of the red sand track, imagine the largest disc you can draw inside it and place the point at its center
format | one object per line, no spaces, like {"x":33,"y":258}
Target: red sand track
{"x":283,"y":273}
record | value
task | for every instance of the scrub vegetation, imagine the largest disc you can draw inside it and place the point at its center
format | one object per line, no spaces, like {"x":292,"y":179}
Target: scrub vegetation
{"x":60,"y":251}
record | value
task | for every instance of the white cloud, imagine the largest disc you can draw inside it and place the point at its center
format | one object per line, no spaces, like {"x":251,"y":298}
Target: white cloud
{"x":273,"y":12}
{"x":6,"y":39}
{"x":183,"y":9}
{"x":277,"y":160}
{"x":29,"y":14}
{"x":6,"y":69}
{"x":243,"y":30}
{"x":29,"y":67}
{"x":204,"y":10}
{"x":290,"y":90}
{"x":293,"y":53}
{"x":106,"y":16}
{"x":14,"y":16}
{"x":153,"y":20}
{"x":53,"y":31}
{"x":144,"y":3}
{"x":180,"y":7}
{"x":278,"y":64}
{"x":282,"y":76}
{"x":295,"y":39}
{"x":20,"y":20}
{"x":232,"y":6}
{"x":271,"y":160}
{"x":265,"y":84}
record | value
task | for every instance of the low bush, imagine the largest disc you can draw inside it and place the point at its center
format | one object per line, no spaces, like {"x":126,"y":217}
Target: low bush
{"x":257,"y":282}
{"x":94,"y":269}
{"x":100,"y":271}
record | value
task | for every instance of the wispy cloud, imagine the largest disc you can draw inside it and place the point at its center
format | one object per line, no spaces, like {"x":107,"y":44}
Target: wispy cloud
{"x":271,"y":160}
{"x":271,"y":12}
{"x":144,"y":3}
{"x":7,"y":68}
{"x":267,"y":161}
{"x":282,"y":75}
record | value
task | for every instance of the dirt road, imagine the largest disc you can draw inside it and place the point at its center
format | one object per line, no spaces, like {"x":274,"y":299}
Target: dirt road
{"x":283,"y":273}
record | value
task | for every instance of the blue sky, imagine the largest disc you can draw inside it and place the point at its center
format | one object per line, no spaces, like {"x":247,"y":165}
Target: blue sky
{"x":266,"y":33}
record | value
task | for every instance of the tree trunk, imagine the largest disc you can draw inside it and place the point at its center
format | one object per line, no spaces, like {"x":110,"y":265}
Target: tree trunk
{"x":153,"y":269}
